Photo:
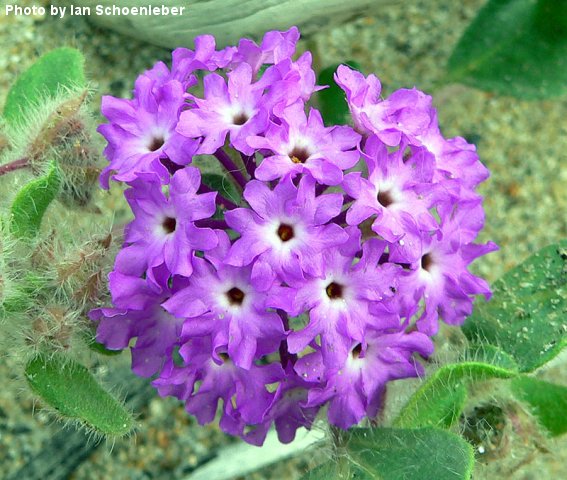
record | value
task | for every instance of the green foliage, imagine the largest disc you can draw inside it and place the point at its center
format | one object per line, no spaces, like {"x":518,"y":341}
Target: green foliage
{"x":441,"y":399}
{"x":21,"y":299}
{"x":489,"y":354}
{"x":222,"y":184}
{"x":515,"y":47}
{"x":330,"y":470}
{"x":56,"y":70}
{"x":435,"y":404}
{"x":13,"y":304}
{"x":399,"y":454}
{"x":72,"y":391}
{"x":332,"y":101}
{"x":44,"y":110}
{"x":526,"y":317}
{"x":32,"y":201}
{"x":99,"y":347}
{"x":549,"y":402}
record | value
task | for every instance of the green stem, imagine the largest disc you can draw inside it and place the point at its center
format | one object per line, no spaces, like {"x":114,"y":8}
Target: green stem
{"x":339,"y":439}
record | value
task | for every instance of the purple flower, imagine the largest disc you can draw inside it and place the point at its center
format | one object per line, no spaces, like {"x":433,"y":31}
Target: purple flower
{"x":275,"y":48}
{"x":204,"y":57}
{"x":441,"y":275}
{"x":406,"y":114}
{"x":223,"y":302}
{"x":138,"y":315}
{"x":163,"y":231}
{"x":290,"y":299}
{"x":398,"y":192}
{"x":185,"y":63}
{"x":355,"y":389}
{"x":283,"y":227}
{"x":287,"y":410}
{"x":455,"y":158}
{"x":304,"y":145}
{"x":338,"y":297}
{"x":243,"y":391}
{"x":297,"y":83}
{"x":361,"y":94}
{"x":237,"y":109}
{"x":141,"y":131}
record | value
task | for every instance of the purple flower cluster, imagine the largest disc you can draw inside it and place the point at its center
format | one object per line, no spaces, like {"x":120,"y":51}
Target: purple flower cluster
{"x":326,"y":279}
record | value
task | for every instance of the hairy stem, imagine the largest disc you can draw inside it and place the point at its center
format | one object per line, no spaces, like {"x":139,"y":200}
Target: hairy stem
{"x":338,"y":436}
{"x":339,"y":442}
{"x":230,"y":166}
{"x":15,"y":165}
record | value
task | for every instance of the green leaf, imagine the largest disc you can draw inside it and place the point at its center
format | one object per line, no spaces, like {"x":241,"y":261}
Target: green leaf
{"x":515,"y":47}
{"x":549,"y":402}
{"x":328,"y":471}
{"x":16,"y":303}
{"x":223,"y":185}
{"x":399,"y":454}
{"x":332,"y":101}
{"x":489,"y":354}
{"x":58,"y":69}
{"x":403,"y":454}
{"x":440,"y":400}
{"x":527,"y":315}
{"x":72,"y":391}
{"x":99,"y":347}
{"x":442,"y":407}
{"x":32,"y":201}
{"x":23,"y":296}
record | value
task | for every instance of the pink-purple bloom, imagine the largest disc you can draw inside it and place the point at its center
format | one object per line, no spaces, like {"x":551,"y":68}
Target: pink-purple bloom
{"x":404,"y":115}
{"x":164,"y":230}
{"x":338,"y":295}
{"x":298,"y":144}
{"x":142,"y":131}
{"x":397,"y":193}
{"x":354,"y":388}
{"x":284,"y":228}
{"x":234,"y":107}
{"x":324,"y":278}
{"x":138,"y":316}
{"x":225,"y":303}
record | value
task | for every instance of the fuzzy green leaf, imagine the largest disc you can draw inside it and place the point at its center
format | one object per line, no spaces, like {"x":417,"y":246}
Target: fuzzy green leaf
{"x":444,"y":403}
{"x":332,"y":100}
{"x":329,"y":470}
{"x":56,"y":70}
{"x":22,"y":297}
{"x":440,"y":400}
{"x":515,"y":47}
{"x":32,"y":201}
{"x":15,"y":304}
{"x":399,"y":454}
{"x":72,"y":391}
{"x":404,"y":454}
{"x":549,"y":402}
{"x":527,"y":315}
